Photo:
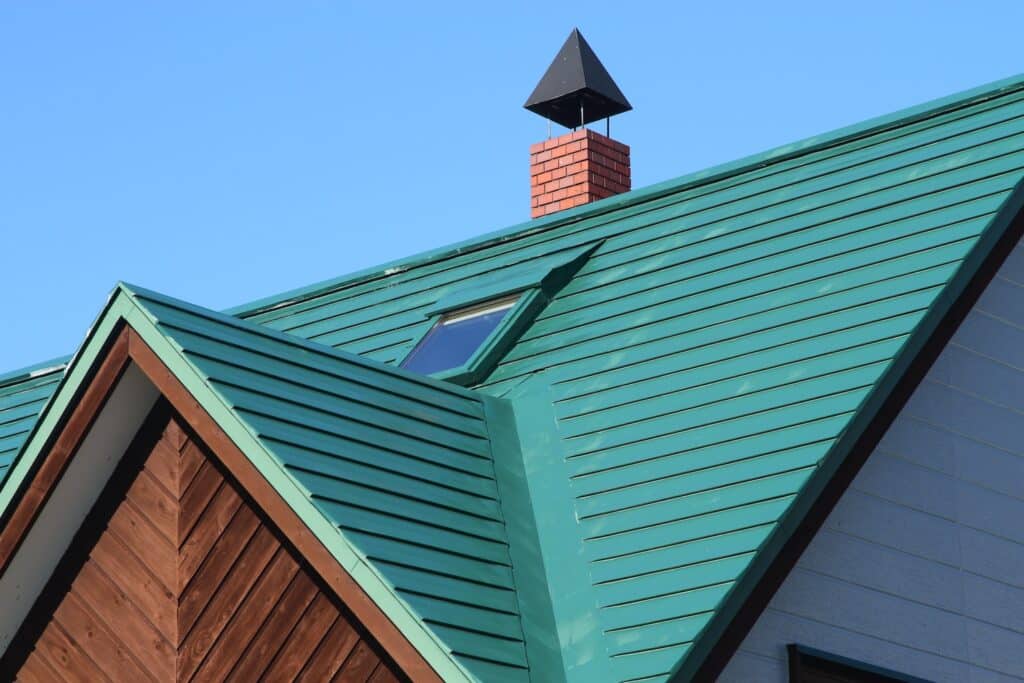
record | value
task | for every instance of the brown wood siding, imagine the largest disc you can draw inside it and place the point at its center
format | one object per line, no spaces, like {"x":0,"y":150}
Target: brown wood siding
{"x":176,"y":576}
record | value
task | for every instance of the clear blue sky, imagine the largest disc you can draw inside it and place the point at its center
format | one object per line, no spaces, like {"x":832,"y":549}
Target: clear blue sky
{"x":222,"y":152}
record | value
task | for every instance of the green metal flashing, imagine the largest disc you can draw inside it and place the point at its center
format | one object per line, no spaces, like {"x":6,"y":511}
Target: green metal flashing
{"x":543,"y":647}
{"x":549,"y":275}
{"x":546,"y":503}
{"x":498,"y":342}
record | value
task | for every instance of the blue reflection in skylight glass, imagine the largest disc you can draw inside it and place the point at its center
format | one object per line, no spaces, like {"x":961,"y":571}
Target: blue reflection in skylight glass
{"x":455,"y":338}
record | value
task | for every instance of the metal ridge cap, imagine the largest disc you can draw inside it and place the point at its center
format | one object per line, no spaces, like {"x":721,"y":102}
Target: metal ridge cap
{"x":706,"y":176}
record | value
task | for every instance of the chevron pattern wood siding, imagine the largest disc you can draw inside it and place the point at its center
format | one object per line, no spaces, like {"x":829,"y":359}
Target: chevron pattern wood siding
{"x":176,"y":577}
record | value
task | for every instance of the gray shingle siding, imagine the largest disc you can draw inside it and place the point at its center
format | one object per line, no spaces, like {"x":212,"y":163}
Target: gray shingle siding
{"x":920,"y":567}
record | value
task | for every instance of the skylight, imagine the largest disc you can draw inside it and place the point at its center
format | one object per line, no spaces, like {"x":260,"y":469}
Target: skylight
{"x":457,"y":336}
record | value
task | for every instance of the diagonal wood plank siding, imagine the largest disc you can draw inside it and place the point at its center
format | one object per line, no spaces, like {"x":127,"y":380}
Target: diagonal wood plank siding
{"x":175,"y":576}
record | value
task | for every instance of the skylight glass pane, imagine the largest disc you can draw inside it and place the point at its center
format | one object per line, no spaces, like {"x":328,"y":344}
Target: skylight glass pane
{"x":456,"y":337}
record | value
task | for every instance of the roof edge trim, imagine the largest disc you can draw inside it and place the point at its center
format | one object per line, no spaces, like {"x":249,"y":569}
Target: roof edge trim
{"x":78,"y":370}
{"x":719,"y":639}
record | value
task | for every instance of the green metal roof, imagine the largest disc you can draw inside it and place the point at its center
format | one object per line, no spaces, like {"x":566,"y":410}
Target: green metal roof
{"x":662,"y":421}
{"x":23,"y":394}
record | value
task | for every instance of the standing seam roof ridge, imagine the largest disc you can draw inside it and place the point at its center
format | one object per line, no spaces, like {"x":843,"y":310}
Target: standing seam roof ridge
{"x":773,"y":156}
{"x":779,"y":154}
{"x":306,"y":310}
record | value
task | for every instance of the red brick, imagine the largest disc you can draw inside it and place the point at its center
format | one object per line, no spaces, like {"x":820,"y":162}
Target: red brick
{"x":576,"y":168}
{"x":554,"y":142}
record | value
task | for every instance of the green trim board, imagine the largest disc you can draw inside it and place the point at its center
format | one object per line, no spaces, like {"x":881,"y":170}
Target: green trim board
{"x":707,"y":358}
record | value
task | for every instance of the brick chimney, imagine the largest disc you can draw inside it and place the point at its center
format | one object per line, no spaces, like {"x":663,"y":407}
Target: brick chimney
{"x":577,"y":168}
{"x":581,"y":166}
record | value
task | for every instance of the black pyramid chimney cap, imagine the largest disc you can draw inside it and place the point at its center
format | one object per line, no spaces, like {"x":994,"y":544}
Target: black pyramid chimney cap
{"x":577,"y":79}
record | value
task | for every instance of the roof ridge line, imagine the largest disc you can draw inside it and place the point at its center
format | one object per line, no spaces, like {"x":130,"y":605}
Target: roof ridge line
{"x":779,"y":154}
{"x":775,"y":155}
{"x":35,"y":370}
